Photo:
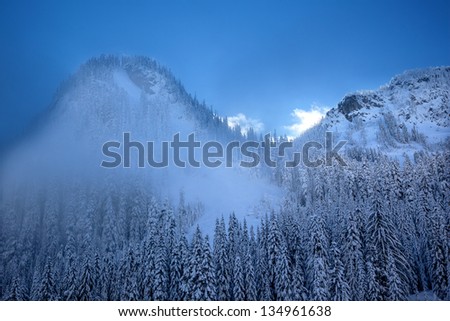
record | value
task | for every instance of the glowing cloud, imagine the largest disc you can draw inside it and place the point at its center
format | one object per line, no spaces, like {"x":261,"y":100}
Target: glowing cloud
{"x":245,"y":123}
{"x":305,"y":119}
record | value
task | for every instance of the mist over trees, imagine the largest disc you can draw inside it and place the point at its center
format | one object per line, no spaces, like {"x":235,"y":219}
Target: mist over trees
{"x":374,"y":230}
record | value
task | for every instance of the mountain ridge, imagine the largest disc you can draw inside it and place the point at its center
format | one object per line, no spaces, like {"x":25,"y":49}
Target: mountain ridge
{"x":410,"y":113}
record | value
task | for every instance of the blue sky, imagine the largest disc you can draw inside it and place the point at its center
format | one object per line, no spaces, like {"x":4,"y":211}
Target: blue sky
{"x":263,"y":59}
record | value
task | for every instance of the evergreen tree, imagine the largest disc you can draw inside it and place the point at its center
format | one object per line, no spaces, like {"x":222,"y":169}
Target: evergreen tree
{"x":197,"y":285}
{"x":318,"y":260}
{"x":148,"y":266}
{"x":282,"y":275}
{"x":274,"y":251}
{"x":396,"y":290}
{"x":439,"y":255}
{"x":70,"y":283}
{"x":128,"y":277}
{"x":339,"y":288}
{"x":373,"y":292}
{"x":86,"y":283}
{"x":160,"y":275}
{"x":221,"y":261}
{"x":234,"y":238}
{"x":176,"y":271}
{"x":249,"y":278}
{"x":299,"y":291}
{"x":208,"y":272}
{"x":263,"y":266}
{"x":239,"y":288}
{"x":353,"y":259}
{"x":17,"y":291}
{"x":383,"y":236}
{"x":47,"y":288}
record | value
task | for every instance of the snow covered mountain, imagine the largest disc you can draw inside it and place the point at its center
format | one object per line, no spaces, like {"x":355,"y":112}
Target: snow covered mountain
{"x":110,"y":96}
{"x":411,"y":113}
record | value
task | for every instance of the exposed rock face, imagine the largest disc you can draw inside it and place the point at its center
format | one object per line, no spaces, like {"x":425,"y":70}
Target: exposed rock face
{"x":351,"y":104}
{"x":347,"y":105}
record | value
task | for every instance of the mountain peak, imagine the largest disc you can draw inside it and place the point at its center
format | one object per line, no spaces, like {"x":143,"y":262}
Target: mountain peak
{"x":110,"y":95}
{"x":425,"y":89}
{"x":409,"y":114}
{"x":429,"y":86}
{"x":144,"y":72}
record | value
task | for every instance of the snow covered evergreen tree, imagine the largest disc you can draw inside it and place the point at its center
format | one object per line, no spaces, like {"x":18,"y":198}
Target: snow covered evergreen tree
{"x":318,"y":265}
{"x":221,"y":261}
{"x":239,"y":281}
{"x":46,"y":289}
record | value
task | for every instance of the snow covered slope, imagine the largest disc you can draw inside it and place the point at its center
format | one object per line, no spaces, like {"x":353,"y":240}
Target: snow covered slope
{"x":110,"y":95}
{"x":410,"y":113}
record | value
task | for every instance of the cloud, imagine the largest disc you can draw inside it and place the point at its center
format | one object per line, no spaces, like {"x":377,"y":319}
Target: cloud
{"x":305,"y":119}
{"x":245,"y":123}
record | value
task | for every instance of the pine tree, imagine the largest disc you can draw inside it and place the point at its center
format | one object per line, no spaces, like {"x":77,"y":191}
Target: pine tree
{"x":86,"y":283}
{"x":282,"y":275}
{"x":339,"y":288}
{"x":239,"y":288}
{"x":148,"y":266}
{"x":299,"y":291}
{"x":160,"y":275}
{"x":128,"y":277}
{"x":263,"y":269}
{"x":221,"y":261}
{"x":209,"y":290}
{"x":396,"y":289}
{"x":234,"y":238}
{"x":373,"y":292}
{"x":196,"y":286}
{"x":47,"y":288}
{"x":108,"y":279}
{"x":17,"y":291}
{"x":249,"y":279}
{"x":185,"y":290}
{"x":353,"y":259}
{"x":439,"y":255}
{"x":98,"y":277}
{"x":70,"y":283}
{"x":318,"y":260}
{"x":274,"y":251}
{"x":176,"y":271}
{"x":384,"y":239}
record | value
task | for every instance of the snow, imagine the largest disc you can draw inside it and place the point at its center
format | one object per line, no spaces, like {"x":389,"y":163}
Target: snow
{"x":122,"y":79}
{"x":423,"y":296}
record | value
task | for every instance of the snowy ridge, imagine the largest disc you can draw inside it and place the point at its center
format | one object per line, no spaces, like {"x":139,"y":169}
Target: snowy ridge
{"x":410,"y":113}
